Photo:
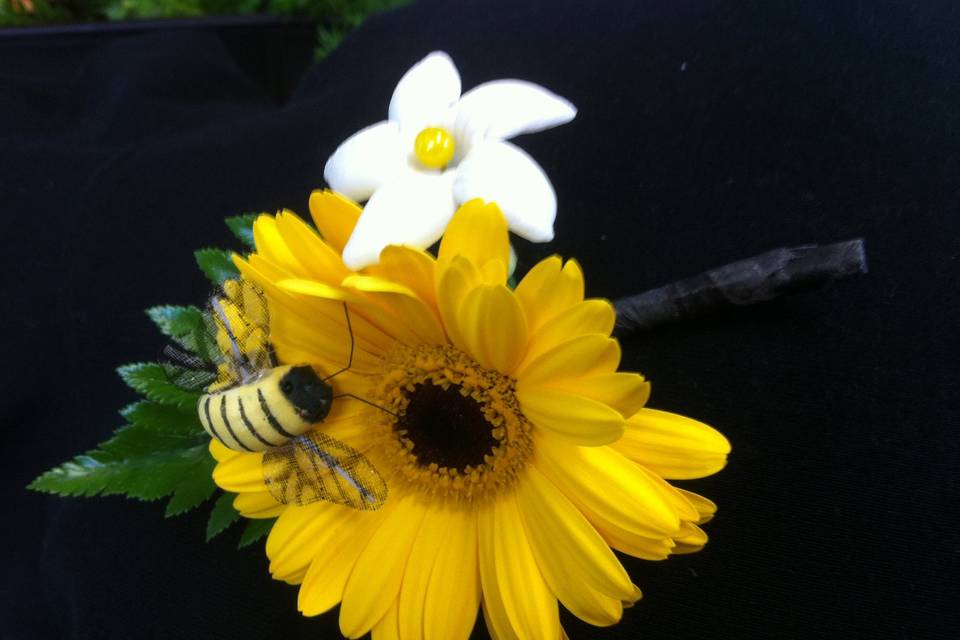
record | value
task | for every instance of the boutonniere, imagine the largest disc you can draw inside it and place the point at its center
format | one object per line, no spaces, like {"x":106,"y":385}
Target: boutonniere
{"x":420,"y":439}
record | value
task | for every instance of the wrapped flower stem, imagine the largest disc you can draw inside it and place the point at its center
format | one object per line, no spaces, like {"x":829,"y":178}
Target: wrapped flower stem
{"x":770,"y":275}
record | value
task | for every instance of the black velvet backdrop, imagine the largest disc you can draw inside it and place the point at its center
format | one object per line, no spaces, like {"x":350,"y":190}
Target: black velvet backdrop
{"x":708,"y":131}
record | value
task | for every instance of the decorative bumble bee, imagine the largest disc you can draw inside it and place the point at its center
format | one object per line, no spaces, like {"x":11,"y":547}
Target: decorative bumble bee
{"x":255,"y":404}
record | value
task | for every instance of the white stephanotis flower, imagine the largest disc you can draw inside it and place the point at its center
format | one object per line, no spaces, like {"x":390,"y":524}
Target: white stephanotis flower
{"x":438,"y":149}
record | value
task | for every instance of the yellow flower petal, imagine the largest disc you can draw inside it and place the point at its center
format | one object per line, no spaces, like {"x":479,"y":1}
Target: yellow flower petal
{"x":258,"y":505}
{"x":493,"y":327}
{"x":574,"y":560}
{"x":578,"y":419}
{"x":397,"y":310}
{"x":685,"y":511}
{"x":478,"y":232}
{"x":335,"y":558}
{"x":272,"y":271}
{"x":314,"y":288}
{"x":599,"y":480}
{"x":589,"y":316}
{"x":517,"y":602}
{"x":494,"y":272}
{"x":549,"y":289}
{"x":320,"y":261}
{"x":375,"y":580}
{"x":324,"y":332}
{"x":432,"y":536}
{"x":241,"y":473}
{"x":411,"y":267}
{"x":374,"y":284}
{"x":631,"y":543}
{"x":388,"y":628}
{"x":455,"y":282}
{"x":453,"y":595}
{"x":537,"y":278}
{"x":593,"y":607}
{"x":335,"y":217}
{"x":328,"y":359}
{"x":625,"y":392}
{"x":691,"y":540}
{"x":265,"y":274}
{"x":298,"y":534}
{"x":349,"y":421}
{"x":705,"y":508}
{"x":588,"y":355}
{"x":220,"y":452}
{"x":673,"y":446}
{"x":271,"y":246}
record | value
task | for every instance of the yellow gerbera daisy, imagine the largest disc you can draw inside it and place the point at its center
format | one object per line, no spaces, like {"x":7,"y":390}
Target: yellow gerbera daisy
{"x":520,"y":455}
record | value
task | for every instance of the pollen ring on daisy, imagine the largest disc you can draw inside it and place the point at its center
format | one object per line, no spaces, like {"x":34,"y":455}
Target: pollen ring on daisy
{"x":460,"y":433}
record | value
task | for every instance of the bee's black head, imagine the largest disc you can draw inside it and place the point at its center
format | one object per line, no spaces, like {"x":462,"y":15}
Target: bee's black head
{"x":309,"y":395}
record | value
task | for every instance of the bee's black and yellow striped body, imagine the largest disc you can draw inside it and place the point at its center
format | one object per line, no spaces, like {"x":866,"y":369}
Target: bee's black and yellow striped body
{"x":283,"y":403}
{"x":254,"y":404}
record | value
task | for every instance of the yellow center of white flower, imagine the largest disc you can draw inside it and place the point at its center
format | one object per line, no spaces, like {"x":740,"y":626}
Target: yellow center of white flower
{"x":434,"y":147}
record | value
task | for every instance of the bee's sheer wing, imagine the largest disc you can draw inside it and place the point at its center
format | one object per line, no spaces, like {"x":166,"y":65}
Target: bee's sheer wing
{"x":315,"y":467}
{"x":239,"y":321}
{"x":232,"y":347}
{"x":186,"y":370}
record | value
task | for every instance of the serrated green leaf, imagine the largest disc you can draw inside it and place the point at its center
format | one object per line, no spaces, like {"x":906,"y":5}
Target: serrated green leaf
{"x":222,"y":515}
{"x":144,"y":476}
{"x":216,"y":264}
{"x":151,"y":380}
{"x":134,"y":441}
{"x":177,"y":322}
{"x":242,"y":228}
{"x":194,"y":489}
{"x":82,"y":476}
{"x":188,"y":328}
{"x":164,"y":418}
{"x":255,"y":530}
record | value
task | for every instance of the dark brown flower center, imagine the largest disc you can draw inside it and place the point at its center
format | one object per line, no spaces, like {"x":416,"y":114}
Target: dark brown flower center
{"x":459,"y":433}
{"x":446,"y":428}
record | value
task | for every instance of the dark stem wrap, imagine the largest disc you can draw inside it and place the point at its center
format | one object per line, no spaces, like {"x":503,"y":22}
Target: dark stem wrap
{"x":764,"y":277}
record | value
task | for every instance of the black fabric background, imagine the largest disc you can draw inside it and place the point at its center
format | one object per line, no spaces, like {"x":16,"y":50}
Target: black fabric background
{"x":707,"y":132}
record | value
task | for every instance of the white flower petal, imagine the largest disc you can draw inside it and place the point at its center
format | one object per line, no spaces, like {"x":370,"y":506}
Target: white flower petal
{"x":503,"y":173}
{"x":366,"y":160}
{"x":505,"y":108}
{"x":425,"y":93}
{"x":413,"y":209}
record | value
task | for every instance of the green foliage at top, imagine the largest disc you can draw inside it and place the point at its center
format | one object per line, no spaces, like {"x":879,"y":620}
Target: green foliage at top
{"x":134,"y":9}
{"x":336,"y":17}
{"x":342,"y":17}
{"x":162,"y":451}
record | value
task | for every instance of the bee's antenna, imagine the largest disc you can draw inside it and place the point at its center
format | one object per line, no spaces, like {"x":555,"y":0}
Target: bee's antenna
{"x":375,"y":406}
{"x":346,"y":314}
